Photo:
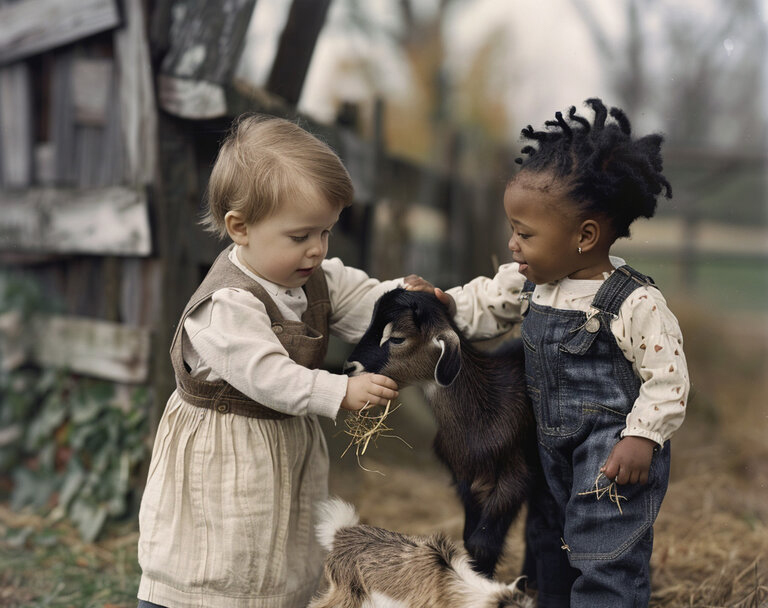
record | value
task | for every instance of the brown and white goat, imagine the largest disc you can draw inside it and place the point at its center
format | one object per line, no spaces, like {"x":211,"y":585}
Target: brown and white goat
{"x":486,"y":433}
{"x":369,"y":567}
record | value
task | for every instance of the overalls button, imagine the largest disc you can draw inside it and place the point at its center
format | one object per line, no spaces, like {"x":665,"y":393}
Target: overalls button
{"x":222,"y":407}
{"x":524,"y":304}
{"x":278,"y":329}
{"x":592,"y":325}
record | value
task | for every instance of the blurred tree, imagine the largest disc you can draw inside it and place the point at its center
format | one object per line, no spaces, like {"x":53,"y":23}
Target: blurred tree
{"x":699,"y":66}
{"x":437,"y":101}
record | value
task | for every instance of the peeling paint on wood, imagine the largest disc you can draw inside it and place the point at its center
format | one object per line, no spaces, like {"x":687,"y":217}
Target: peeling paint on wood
{"x":34,"y":26}
{"x":100,"y":349}
{"x":101,"y":221}
{"x":16,"y":133}
{"x":192,"y":99}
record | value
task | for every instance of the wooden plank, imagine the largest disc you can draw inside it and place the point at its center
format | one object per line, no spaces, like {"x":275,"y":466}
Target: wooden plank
{"x":205,"y":40}
{"x":91,"y":87}
{"x":34,"y":26}
{"x":101,"y":349}
{"x":98,"y":149}
{"x":141,"y":291}
{"x":297,"y":43}
{"x":62,"y":119}
{"x":136,"y":89}
{"x":16,"y":135}
{"x":103,"y":221}
{"x":45,"y":164}
{"x":359,"y":157}
{"x":192,"y":99}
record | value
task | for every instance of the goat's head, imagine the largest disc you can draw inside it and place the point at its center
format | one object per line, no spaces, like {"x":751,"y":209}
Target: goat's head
{"x":411,"y":339}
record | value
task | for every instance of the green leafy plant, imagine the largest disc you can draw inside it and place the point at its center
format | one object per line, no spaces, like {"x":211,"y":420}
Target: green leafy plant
{"x":70,"y":445}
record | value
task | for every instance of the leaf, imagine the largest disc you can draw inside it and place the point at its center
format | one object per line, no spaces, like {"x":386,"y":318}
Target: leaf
{"x":74,"y":480}
{"x":31,"y":489}
{"x":89,"y":518}
{"x":42,"y":427}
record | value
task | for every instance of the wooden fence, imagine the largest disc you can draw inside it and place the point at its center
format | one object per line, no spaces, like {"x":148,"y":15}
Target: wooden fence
{"x":110,"y":119}
{"x":108,"y":130}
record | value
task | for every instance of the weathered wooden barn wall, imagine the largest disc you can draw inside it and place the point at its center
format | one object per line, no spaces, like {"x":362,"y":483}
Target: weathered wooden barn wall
{"x":111,"y":114}
{"x":74,"y":208}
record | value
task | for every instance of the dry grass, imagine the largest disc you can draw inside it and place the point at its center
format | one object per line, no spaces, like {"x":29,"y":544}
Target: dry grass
{"x":365,"y":427}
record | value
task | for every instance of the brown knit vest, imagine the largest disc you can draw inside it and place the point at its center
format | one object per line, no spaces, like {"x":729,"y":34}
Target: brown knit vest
{"x":306,"y":341}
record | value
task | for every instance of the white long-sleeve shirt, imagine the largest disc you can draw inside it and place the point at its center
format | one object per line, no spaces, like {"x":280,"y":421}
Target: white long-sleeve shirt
{"x":646,"y":331}
{"x":230,"y":336}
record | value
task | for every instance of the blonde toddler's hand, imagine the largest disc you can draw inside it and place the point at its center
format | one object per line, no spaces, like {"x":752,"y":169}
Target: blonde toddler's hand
{"x":373,"y":389}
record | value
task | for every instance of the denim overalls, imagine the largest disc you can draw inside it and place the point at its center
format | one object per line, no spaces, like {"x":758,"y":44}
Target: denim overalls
{"x":582,"y":388}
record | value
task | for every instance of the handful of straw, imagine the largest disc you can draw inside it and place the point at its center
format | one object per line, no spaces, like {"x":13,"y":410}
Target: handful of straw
{"x":365,"y":427}
{"x":610,"y":489}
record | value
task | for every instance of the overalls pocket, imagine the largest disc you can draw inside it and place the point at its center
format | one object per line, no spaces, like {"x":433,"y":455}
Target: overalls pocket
{"x":601,"y":523}
{"x":581,"y":340}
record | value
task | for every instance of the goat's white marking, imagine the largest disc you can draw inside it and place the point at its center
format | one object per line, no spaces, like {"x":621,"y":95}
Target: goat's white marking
{"x":379,"y":600}
{"x":479,"y":584}
{"x":356,"y":368}
{"x":441,"y":344}
{"x":332,"y":515}
{"x":386,"y":333}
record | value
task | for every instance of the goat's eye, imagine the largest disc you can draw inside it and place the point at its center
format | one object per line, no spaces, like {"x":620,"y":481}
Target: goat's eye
{"x":395,"y":340}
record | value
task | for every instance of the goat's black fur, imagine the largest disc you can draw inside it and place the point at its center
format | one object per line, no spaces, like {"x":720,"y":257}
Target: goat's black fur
{"x":486,"y":434}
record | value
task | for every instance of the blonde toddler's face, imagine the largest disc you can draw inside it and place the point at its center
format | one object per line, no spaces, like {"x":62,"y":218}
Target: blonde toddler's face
{"x":289,"y":245}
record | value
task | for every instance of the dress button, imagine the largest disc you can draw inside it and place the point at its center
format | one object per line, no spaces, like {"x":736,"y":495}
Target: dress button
{"x":278,"y":329}
{"x":222,"y":407}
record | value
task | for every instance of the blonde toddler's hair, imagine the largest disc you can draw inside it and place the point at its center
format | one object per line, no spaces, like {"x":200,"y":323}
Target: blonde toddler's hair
{"x":265,"y":161}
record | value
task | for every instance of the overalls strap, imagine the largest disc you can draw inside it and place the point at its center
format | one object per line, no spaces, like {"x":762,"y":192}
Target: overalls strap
{"x":617,"y":287}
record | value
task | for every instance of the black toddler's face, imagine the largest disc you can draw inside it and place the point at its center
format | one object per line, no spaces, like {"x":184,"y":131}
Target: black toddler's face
{"x":545,"y":228}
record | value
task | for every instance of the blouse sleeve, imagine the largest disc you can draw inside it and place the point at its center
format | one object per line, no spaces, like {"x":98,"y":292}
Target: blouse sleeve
{"x":353,"y":295}
{"x":487,"y":307}
{"x":232,"y":337}
{"x":649,"y":336}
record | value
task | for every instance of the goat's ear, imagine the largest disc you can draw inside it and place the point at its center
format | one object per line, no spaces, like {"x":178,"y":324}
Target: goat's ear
{"x":449,"y":363}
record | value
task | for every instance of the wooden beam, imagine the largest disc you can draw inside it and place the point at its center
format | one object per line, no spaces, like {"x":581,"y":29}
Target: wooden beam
{"x":16,"y":133}
{"x":34,"y":26}
{"x":297,"y":43}
{"x":105,"y":221}
{"x":204,"y":46}
{"x":100,"y":349}
{"x":138,"y":110}
{"x":192,"y":99}
{"x":91,"y":87}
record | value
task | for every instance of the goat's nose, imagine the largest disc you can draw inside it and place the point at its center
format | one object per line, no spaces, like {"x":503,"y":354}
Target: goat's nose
{"x":353,"y":368}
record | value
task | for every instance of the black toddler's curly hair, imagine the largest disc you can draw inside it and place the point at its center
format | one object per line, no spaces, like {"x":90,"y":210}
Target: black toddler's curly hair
{"x":607,"y":171}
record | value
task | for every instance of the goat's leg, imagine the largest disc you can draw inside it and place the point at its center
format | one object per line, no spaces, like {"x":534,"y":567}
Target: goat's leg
{"x":472,"y":509}
{"x":486,"y":543}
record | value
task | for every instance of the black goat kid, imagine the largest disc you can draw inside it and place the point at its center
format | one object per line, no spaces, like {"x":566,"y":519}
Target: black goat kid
{"x":486,"y":434}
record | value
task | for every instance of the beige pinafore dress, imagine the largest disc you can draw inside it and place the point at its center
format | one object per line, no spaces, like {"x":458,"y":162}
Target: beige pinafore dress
{"x":227,"y":515}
